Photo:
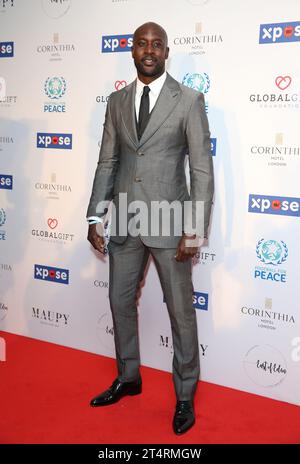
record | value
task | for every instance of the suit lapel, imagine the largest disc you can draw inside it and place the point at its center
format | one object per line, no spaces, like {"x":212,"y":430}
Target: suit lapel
{"x":168,"y":98}
{"x":128,"y":113}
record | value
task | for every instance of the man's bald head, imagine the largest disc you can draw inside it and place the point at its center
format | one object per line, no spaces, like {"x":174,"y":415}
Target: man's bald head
{"x":154,"y":27}
{"x":150,"y":51}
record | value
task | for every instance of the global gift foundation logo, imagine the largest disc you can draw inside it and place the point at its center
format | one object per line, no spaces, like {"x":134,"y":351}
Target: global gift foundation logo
{"x":267,"y":204}
{"x":55,"y":88}
{"x":117,"y":43}
{"x":54,"y":140}
{"x":279,"y":32}
{"x":119,"y":85}
{"x":271,"y":253}
{"x":51,"y":274}
{"x":52,"y":235}
{"x":282,"y":95}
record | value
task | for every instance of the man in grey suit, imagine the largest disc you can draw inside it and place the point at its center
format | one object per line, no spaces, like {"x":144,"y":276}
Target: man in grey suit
{"x":150,"y":126}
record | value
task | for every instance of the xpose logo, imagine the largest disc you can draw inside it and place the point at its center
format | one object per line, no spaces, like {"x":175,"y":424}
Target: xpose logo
{"x":279,"y":32}
{"x":200,"y":301}
{"x":213,"y":145}
{"x":47,"y":140}
{"x":6,"y":182}
{"x":6,"y":49}
{"x":117,"y":43}
{"x":52,"y":274}
{"x":266,"y":204}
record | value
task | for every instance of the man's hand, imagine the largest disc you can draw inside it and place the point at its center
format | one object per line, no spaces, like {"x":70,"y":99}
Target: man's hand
{"x":96,"y":236}
{"x":187,"y":247}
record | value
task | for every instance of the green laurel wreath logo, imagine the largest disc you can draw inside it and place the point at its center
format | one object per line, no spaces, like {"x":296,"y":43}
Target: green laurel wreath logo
{"x":281,"y":260}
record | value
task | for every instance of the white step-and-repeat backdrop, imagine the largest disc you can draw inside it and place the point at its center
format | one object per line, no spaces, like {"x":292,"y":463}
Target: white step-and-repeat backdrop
{"x":59,"y":61}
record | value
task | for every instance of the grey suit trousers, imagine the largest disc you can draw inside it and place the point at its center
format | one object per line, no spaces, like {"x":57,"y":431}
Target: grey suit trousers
{"x":127,"y":264}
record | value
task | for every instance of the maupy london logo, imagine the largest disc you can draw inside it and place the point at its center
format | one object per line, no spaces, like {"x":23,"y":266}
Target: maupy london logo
{"x":51,"y":318}
{"x":119,"y":85}
{"x":283,"y":82}
{"x":271,"y":253}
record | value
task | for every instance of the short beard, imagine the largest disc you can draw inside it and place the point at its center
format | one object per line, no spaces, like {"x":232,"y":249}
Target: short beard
{"x":158,"y":70}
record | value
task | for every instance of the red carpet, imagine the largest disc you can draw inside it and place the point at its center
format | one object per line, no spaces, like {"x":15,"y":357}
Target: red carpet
{"x":45,"y":391}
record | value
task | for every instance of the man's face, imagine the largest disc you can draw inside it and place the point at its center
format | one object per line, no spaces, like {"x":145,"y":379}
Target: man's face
{"x":150,"y":52}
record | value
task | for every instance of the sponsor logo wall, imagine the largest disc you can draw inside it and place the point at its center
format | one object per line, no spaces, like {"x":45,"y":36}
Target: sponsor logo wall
{"x":53,"y":286}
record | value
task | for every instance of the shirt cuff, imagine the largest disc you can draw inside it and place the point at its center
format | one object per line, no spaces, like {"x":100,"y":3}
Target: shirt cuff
{"x":94,"y":220}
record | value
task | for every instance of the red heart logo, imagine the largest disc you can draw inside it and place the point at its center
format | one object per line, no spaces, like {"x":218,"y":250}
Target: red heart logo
{"x":52,"y":223}
{"x":283,"y":82}
{"x":120,"y":85}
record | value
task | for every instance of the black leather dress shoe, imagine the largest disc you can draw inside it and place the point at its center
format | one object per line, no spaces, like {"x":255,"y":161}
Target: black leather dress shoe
{"x":116,"y":391}
{"x":184,"y":417}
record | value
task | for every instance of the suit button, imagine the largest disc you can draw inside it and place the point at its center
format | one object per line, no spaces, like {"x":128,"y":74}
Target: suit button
{"x":140,"y":153}
{"x":137,"y":179}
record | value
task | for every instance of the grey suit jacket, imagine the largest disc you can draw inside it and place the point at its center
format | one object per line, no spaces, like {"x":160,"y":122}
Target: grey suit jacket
{"x":152,"y":169}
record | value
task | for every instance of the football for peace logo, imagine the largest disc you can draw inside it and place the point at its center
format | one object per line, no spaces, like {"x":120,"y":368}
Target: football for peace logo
{"x":55,"y":87}
{"x":200,"y":82}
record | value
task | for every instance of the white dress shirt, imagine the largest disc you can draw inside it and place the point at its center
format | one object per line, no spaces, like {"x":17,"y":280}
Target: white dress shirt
{"x":155,"y":89}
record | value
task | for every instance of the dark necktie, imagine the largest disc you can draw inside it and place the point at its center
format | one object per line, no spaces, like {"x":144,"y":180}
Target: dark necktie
{"x":144,"y":111}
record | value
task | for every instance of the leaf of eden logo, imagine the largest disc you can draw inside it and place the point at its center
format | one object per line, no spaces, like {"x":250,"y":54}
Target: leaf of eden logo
{"x":52,"y":223}
{"x":283,"y":82}
{"x":120,"y":85}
